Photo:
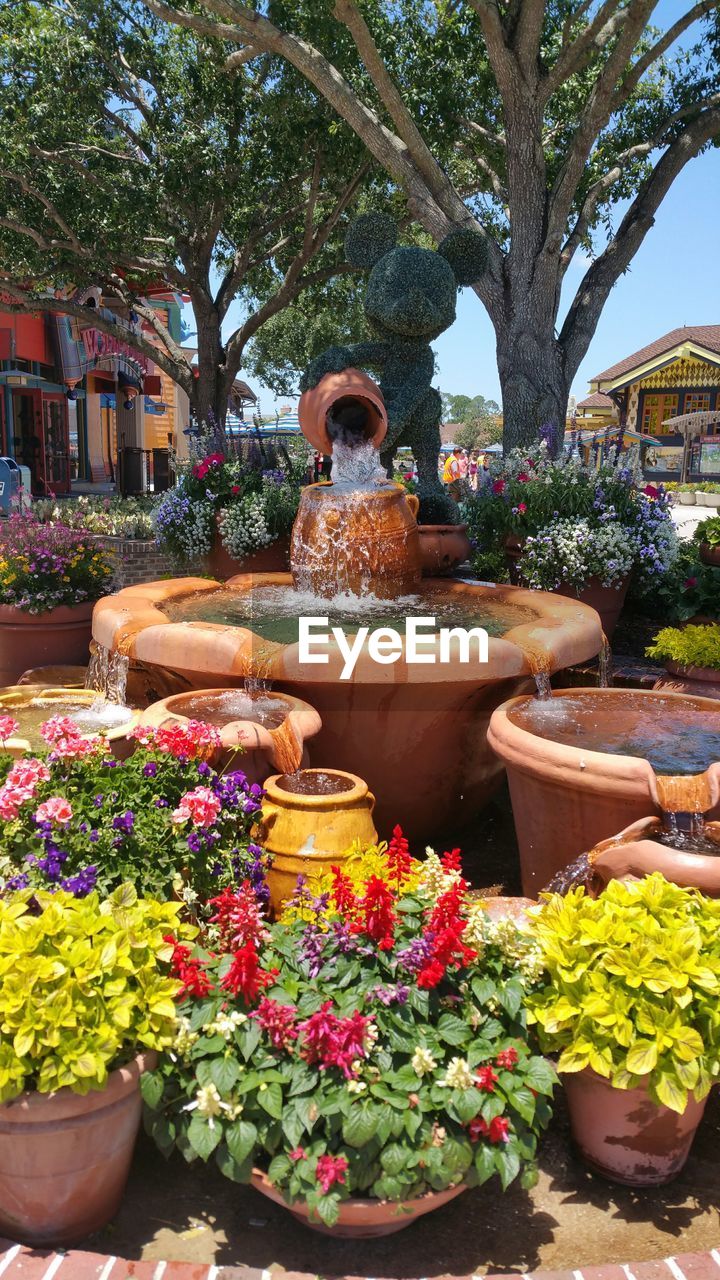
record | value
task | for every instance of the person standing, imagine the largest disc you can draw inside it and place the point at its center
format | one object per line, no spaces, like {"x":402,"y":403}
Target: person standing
{"x":452,"y":474}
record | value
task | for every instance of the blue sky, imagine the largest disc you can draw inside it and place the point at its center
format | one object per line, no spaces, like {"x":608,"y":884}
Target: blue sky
{"x":673,"y":280}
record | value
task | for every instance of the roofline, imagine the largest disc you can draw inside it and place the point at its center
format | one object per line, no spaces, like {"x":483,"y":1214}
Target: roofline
{"x":658,"y":361}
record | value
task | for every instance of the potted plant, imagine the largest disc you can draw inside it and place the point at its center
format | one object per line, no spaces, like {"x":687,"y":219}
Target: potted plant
{"x":366,"y":1058}
{"x":707,"y":534}
{"x":571,"y":557}
{"x":86,"y":1002}
{"x":691,"y":656}
{"x":77,"y":819}
{"x":629,"y":1006}
{"x":528,"y":492}
{"x":708,"y":495}
{"x":234,"y":506}
{"x":50,"y":577}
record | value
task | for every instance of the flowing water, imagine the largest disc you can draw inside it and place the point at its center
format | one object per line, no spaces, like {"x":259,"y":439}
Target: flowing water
{"x":272,"y":612}
{"x":315,"y":782}
{"x":676,"y":737}
{"x":605,"y":664}
{"x":219,"y":709}
{"x":90,"y":718}
{"x":107,"y":674}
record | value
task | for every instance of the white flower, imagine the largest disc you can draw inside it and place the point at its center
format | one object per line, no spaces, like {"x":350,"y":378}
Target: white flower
{"x":185,"y":1038}
{"x":356,"y":1086}
{"x":423,"y":1062}
{"x":458,"y":1075}
{"x":225,"y":1024}
{"x":208,"y":1102}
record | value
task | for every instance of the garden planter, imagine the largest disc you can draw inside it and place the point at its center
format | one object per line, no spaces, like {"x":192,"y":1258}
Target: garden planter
{"x":271,"y":728}
{"x":624,"y":1135}
{"x":442,"y":548}
{"x":705,"y":499}
{"x":513,"y":548}
{"x":34,"y":639}
{"x":273,"y":559}
{"x":309,"y":822}
{"x":710,"y":555}
{"x":686,"y":499}
{"x":362,"y":1217}
{"x":64,"y":1159}
{"x":607,"y":601}
{"x":351,"y":384}
{"x":567,"y":798}
{"x":636,"y":852}
{"x":17,"y":701}
{"x":704,"y":682}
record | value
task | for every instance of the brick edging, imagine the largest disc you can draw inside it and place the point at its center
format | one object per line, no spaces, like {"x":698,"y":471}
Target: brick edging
{"x":20,"y":1263}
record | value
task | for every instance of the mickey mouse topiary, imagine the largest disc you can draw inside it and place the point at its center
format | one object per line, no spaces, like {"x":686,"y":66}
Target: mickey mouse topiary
{"x":410,"y":300}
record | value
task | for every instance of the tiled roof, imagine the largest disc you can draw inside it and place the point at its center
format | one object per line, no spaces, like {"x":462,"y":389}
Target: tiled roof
{"x":598,"y":400}
{"x":704,"y":335}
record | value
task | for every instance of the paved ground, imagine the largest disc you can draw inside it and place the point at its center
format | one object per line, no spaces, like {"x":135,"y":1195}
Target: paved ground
{"x":686,"y":519}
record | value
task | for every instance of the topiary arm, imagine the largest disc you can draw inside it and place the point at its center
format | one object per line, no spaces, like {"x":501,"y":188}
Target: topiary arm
{"x":337,"y":359}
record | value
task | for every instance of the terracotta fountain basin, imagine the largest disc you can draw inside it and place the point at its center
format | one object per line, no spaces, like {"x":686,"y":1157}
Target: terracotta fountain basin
{"x":416,"y":733}
{"x":272,"y":729}
{"x":568,"y":795}
{"x":31,"y":704}
{"x":637,"y":852}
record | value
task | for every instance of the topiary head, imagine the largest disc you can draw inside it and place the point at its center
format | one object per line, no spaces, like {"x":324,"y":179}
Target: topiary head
{"x":412,"y":292}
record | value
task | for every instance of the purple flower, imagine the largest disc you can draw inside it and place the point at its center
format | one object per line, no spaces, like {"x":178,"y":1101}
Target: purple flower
{"x":313,"y":944}
{"x":194,"y":842}
{"x":416,"y":954}
{"x":124,"y":821}
{"x":390,"y":995}
{"x":98,"y":801}
{"x":81,"y":884}
{"x":150,"y":769}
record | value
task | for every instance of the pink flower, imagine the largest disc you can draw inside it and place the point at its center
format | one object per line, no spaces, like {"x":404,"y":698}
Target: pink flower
{"x":485,"y":1079}
{"x":523,"y":477}
{"x":297,"y":1154}
{"x":57,"y":728}
{"x":522,"y":508}
{"x":651,"y":491}
{"x":330,"y":1169}
{"x":8,"y":728}
{"x":499,"y":486}
{"x":507,"y":1058}
{"x":66,"y":739}
{"x":26,"y":774}
{"x":689,"y":583}
{"x":56,"y":809}
{"x":201,"y":807}
{"x":332,"y":1041}
{"x":10,"y":802}
{"x":495,"y":1131}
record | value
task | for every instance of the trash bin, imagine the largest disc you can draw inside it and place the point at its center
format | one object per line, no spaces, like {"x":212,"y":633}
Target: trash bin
{"x":161,"y":469}
{"x":132,"y":481}
{"x":10,"y":483}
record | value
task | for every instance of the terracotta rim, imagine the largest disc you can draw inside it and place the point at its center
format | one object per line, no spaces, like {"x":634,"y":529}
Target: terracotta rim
{"x":355,"y":1211}
{"x":301,"y":800}
{"x":709,"y":674}
{"x":296,"y":708}
{"x":114,"y":734}
{"x":37,"y":1108}
{"x":63,"y":613}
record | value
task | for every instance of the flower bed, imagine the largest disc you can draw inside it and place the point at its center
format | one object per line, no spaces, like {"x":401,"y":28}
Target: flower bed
{"x":44,"y":566}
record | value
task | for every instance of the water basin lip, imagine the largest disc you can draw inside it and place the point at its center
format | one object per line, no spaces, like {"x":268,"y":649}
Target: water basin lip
{"x":21,"y":696}
{"x":358,"y":790}
{"x":516,"y":745}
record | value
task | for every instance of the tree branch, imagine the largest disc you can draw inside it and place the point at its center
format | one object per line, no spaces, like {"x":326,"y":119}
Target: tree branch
{"x":633,"y":77}
{"x":594,"y":37}
{"x":47,"y":205}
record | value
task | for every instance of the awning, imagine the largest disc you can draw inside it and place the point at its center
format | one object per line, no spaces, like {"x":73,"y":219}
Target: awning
{"x":692,"y":423}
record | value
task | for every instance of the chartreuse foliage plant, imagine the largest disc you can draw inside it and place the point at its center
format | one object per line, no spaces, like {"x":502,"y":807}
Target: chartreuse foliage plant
{"x":373,"y":1043}
{"x":84,"y":984}
{"x":632,"y":987}
{"x":688,"y":646}
{"x":708,"y":531}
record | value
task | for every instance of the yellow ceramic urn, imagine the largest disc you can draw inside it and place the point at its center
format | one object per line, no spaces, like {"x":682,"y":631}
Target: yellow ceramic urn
{"x":309,"y":822}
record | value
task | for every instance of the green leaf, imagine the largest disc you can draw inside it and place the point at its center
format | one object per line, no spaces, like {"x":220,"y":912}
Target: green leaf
{"x":152,"y":1088}
{"x":523,"y":1102}
{"x":202,"y":1138}
{"x":467,"y":1104}
{"x":240,"y":1139}
{"x":484,"y":1162}
{"x":271,"y":1100}
{"x":642,"y":1057}
{"x":510,"y":996}
{"x":360,"y":1126}
{"x":279,"y":1168}
{"x":507,"y":1163}
{"x":394,"y":1158}
{"x":308,"y":1111}
{"x":224,"y":1073}
{"x":327,"y":1209}
{"x":540,"y":1075}
{"x":670,"y":1092}
{"x":452,"y":1029}
{"x":230,"y":1167}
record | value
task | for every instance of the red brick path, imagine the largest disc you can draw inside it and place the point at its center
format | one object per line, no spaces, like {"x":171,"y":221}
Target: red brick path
{"x":18,"y":1263}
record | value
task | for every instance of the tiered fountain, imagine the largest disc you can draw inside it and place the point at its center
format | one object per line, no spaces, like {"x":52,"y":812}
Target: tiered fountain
{"x":416,"y":733}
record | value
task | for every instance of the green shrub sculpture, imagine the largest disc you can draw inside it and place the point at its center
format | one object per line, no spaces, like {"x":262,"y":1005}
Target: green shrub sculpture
{"x":410,"y":301}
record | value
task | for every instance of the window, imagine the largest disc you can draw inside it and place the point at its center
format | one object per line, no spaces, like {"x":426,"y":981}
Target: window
{"x":656,"y":408}
{"x":696,"y":401}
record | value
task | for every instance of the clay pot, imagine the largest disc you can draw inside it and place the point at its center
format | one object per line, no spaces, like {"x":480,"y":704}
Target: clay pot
{"x":710,"y":555}
{"x":267,"y":748}
{"x":513,"y":548}
{"x":442,"y":548}
{"x":64,"y":1159}
{"x":686,"y":499}
{"x":357,"y":542}
{"x":607,"y":601}
{"x":352,"y":384}
{"x":624,"y":1135}
{"x":359,"y":1217}
{"x":566,"y":798}
{"x":704,"y":682}
{"x":33,"y":639}
{"x":15,"y":697}
{"x":636,"y":852}
{"x":309,"y":832}
{"x":706,"y":499}
{"x":56,"y":677}
{"x":272,"y":559}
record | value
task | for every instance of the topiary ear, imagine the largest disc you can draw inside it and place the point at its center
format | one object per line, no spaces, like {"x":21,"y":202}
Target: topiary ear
{"x":369,"y":238}
{"x":466,"y":251}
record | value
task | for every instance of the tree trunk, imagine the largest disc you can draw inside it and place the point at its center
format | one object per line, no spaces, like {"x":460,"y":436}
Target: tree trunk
{"x":534,"y":384}
{"x":210,"y":401}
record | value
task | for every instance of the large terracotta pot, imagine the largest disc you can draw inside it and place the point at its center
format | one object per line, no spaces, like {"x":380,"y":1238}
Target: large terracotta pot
{"x":607,"y":601}
{"x":624,"y":1135}
{"x":64,"y":1159}
{"x":15,"y":698}
{"x":273,"y":559}
{"x":710,"y":555}
{"x":363,"y":541}
{"x":351,"y":384}
{"x":360,"y":1218}
{"x":566,"y":798}
{"x":34,"y":639}
{"x":704,"y":682}
{"x":442,"y":548}
{"x":270,"y":744}
{"x":307,"y":832}
{"x":636,"y":852}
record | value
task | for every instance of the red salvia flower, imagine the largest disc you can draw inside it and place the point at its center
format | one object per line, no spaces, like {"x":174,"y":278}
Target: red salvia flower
{"x":245,"y":976}
{"x":377,"y":918}
{"x":343,"y":891}
{"x":398,"y":857}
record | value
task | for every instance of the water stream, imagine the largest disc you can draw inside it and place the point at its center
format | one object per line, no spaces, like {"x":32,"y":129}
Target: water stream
{"x":107,"y":675}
